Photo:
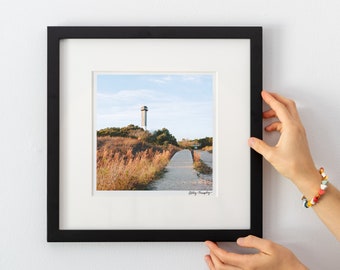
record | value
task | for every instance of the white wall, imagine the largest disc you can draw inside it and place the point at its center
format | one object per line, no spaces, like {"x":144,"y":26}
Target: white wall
{"x":301,"y":61}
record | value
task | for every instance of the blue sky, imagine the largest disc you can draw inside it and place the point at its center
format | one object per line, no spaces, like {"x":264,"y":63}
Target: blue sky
{"x":182,"y":103}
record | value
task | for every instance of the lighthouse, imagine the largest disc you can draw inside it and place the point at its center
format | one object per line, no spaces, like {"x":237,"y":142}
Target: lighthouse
{"x":144,"y":110}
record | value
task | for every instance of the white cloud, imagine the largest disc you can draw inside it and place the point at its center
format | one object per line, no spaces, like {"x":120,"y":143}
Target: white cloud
{"x":124,"y":95}
{"x":161,"y":80}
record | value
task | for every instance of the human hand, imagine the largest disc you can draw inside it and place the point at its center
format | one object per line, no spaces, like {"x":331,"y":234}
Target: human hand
{"x":270,"y":256}
{"x":291,"y":155}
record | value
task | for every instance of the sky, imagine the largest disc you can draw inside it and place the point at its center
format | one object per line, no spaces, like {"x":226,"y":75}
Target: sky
{"x":182,"y":103}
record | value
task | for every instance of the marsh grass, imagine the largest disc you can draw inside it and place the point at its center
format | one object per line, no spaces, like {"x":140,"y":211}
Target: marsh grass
{"x":208,"y":149}
{"x":129,"y":164}
{"x":199,"y":165}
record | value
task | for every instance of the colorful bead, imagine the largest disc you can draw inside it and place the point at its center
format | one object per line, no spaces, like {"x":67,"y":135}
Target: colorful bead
{"x":322,"y":191}
{"x":323,"y":187}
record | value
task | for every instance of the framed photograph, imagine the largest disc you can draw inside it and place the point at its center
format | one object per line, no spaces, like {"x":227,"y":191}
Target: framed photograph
{"x":147,"y":133}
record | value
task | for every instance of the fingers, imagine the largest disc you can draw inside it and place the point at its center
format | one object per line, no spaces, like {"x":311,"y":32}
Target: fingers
{"x":209,"y":261}
{"x":290,"y":104}
{"x":261,"y":147}
{"x":265,"y":246}
{"x":276,"y":126}
{"x":216,"y":251}
{"x":269,"y":114}
{"x":220,"y":259}
{"x":281,"y":107}
{"x":212,"y":260}
{"x":218,"y":265}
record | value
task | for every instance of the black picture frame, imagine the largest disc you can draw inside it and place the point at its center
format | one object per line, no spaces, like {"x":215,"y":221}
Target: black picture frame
{"x":55,"y":35}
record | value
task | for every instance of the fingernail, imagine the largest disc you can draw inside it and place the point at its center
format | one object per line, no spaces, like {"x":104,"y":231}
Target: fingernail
{"x":251,"y":142}
{"x":240,"y":240}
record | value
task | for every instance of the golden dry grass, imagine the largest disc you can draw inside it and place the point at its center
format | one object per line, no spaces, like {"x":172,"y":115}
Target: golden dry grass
{"x":128,"y":164}
{"x":208,"y":149}
{"x":199,"y":165}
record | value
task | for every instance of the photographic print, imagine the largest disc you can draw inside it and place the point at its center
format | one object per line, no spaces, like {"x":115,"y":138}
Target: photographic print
{"x":154,"y":131}
{"x":147,"y":130}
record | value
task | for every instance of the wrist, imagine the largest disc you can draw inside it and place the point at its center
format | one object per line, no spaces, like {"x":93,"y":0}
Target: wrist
{"x":309,"y":183}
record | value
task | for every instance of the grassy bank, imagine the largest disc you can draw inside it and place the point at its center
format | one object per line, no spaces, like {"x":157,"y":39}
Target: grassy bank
{"x":128,"y":163}
{"x":199,"y":165}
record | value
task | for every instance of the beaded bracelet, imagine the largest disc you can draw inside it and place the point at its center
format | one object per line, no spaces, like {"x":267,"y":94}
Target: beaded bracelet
{"x":323,"y":187}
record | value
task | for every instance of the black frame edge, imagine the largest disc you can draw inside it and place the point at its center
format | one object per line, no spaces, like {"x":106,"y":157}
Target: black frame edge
{"x":55,"y":34}
{"x":256,"y":131}
{"x":52,"y":134}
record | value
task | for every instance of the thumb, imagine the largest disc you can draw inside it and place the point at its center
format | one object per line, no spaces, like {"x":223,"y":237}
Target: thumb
{"x":260,"y":147}
{"x":252,"y":241}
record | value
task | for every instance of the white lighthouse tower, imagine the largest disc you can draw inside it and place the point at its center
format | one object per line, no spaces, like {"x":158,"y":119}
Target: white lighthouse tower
{"x":144,"y":110}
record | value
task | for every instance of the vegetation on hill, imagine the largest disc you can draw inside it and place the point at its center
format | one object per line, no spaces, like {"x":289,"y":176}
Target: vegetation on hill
{"x":128,"y":164}
{"x":130,"y":157}
{"x":158,"y":137}
{"x":205,"y":144}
